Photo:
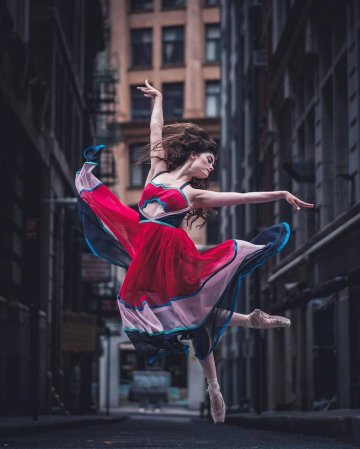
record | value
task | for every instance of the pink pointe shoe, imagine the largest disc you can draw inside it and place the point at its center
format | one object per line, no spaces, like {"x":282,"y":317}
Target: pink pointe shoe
{"x":218,"y":408}
{"x":261,"y":320}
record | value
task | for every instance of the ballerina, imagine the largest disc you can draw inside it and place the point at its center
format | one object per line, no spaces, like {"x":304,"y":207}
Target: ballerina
{"x":172,"y":292}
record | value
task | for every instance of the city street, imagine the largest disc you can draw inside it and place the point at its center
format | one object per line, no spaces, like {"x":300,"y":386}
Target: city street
{"x":180,"y":192}
{"x":150,"y":431}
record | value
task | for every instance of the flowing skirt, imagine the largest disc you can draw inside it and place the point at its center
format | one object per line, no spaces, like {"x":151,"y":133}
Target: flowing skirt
{"x":172,"y":291}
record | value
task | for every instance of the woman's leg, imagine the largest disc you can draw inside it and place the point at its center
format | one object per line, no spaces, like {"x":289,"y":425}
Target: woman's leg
{"x":257,"y":319}
{"x":216,"y":399}
{"x":239,"y":319}
{"x":209,"y":367}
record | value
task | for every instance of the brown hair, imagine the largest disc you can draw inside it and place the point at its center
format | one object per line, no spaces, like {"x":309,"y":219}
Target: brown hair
{"x":179,"y":141}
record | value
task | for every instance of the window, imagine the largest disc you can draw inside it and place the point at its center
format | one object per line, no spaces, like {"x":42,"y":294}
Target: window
{"x":214,"y":176}
{"x":173,"y":4}
{"x":140,"y":105}
{"x":212,"y":106}
{"x":138,"y":173}
{"x":212,"y":44}
{"x":141,"y":47}
{"x":173,"y":45}
{"x":141,"y":5}
{"x":211,"y":2}
{"x":173,"y":100}
{"x":107,"y":167}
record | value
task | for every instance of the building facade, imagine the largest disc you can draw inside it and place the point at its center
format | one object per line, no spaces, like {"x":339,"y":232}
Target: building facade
{"x":176,"y":46}
{"x":299,"y":131}
{"x":48,"y":313}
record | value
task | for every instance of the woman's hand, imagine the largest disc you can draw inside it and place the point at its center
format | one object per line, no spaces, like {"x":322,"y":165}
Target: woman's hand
{"x":149,"y":91}
{"x":295,"y":202}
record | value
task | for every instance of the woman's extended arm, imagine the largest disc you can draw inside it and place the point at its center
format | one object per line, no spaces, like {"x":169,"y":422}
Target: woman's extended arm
{"x":156,"y":125}
{"x":209,"y":198}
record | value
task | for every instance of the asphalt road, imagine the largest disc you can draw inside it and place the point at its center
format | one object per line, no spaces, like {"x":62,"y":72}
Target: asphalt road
{"x":167,"y":432}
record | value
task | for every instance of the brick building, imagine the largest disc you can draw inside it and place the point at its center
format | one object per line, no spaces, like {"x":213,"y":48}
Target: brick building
{"x":176,"y":45}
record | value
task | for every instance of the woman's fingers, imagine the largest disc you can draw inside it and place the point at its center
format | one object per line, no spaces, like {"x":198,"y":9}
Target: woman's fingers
{"x":297,"y":204}
{"x":147,"y":89}
{"x":147,"y":92}
{"x":150,"y":90}
{"x":303,"y":204}
{"x":292,"y":203}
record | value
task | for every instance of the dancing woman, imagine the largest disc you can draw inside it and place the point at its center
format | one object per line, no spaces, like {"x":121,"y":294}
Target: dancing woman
{"x":173,"y":292}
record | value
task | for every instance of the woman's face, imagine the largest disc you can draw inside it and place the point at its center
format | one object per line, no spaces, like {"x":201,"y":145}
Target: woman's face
{"x":203,"y":164}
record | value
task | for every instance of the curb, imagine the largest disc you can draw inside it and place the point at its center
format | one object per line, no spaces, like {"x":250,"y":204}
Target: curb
{"x":338,"y":427}
{"x":29,"y":429}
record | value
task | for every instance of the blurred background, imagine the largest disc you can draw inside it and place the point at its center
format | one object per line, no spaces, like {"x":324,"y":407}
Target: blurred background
{"x":276,"y":83}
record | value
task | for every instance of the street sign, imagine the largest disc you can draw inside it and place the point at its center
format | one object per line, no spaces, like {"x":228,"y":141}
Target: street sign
{"x":79,"y":332}
{"x":94,"y":269}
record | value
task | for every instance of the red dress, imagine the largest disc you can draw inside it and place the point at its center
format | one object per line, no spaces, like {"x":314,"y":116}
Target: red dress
{"x":172,"y":291}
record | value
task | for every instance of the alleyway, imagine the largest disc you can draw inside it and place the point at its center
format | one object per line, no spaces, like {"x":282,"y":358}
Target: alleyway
{"x":170,"y":432}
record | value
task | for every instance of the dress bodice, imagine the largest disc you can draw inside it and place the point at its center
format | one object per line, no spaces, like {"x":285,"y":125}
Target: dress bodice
{"x":172,"y":200}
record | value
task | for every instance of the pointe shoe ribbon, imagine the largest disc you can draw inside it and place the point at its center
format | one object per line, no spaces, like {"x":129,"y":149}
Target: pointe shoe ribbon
{"x":261,"y":320}
{"x":218,"y":414}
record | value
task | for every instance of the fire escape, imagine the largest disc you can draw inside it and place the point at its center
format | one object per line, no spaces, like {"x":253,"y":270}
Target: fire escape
{"x":103,"y":103}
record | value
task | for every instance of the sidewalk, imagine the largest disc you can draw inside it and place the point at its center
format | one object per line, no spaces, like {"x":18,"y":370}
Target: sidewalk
{"x":14,"y":426}
{"x":341,"y":424}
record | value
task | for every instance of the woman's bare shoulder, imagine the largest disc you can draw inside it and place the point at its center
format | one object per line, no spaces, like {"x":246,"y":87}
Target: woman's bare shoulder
{"x":192,"y":195}
{"x":155,"y":172}
{"x":166,"y":178}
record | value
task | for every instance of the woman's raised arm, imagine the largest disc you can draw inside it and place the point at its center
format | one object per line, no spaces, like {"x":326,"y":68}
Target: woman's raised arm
{"x":209,"y":198}
{"x":157,"y":153}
